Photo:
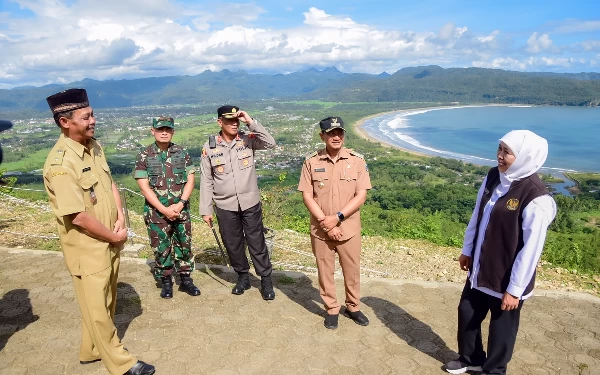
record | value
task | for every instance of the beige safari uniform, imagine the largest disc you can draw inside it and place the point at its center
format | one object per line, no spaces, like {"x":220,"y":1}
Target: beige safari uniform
{"x":78,"y":179}
{"x":228,"y":172}
{"x":333,"y":184}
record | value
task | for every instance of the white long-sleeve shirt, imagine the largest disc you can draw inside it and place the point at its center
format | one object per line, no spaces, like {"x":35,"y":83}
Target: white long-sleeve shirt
{"x":537,"y":216}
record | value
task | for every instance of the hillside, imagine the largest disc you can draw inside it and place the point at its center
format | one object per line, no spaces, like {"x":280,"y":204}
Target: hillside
{"x":414,"y":84}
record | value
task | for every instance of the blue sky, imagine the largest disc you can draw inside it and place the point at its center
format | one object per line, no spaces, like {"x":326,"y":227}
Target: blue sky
{"x":58,"y":41}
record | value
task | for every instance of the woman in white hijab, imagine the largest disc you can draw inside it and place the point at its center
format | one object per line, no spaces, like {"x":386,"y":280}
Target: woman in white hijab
{"x":502,"y":246}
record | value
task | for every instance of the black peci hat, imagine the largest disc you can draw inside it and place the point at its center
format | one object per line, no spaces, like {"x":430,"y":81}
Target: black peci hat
{"x":331,"y":123}
{"x":228,"y":111}
{"x":68,"y":100}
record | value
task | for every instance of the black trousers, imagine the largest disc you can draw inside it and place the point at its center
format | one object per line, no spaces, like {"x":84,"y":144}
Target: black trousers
{"x":472,"y":310}
{"x":239,"y":227}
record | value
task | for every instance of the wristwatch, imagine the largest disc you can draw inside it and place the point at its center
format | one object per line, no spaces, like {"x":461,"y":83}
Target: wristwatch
{"x":185,"y":202}
{"x":340,"y":216}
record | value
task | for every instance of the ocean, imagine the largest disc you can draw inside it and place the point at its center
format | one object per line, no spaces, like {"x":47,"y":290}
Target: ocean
{"x":471,"y":133}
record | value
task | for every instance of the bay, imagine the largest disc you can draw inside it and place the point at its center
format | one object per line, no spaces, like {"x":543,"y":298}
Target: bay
{"x":471,"y":133}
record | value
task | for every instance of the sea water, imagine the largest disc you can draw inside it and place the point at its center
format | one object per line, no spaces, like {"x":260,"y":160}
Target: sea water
{"x":471,"y":133}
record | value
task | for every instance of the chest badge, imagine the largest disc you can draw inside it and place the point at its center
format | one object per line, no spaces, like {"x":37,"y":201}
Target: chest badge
{"x":321,"y":184}
{"x":220,"y":169}
{"x":245,"y":162}
{"x":244,"y":154}
{"x":512,"y":204}
{"x":93,"y":197}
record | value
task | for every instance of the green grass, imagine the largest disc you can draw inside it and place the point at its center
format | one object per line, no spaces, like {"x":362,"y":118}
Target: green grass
{"x":33,"y":161}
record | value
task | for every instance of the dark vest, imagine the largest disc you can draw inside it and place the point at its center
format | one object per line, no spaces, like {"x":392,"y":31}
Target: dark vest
{"x":504,"y":233}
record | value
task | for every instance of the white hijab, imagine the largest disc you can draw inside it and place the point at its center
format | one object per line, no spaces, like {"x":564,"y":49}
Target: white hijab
{"x":530,"y":152}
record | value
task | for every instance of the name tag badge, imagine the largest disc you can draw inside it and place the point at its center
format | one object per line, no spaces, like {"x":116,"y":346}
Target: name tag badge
{"x":319,"y":169}
{"x":86,"y":169}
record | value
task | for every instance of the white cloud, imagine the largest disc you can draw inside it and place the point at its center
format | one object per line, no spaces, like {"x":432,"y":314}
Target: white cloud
{"x":537,"y":44}
{"x":68,"y":40}
{"x":577,"y":26}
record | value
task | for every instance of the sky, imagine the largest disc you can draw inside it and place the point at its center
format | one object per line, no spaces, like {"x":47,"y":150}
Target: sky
{"x":62,"y":41}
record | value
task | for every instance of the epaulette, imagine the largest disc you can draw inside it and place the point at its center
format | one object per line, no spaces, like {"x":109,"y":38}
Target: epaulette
{"x":311,"y":155}
{"x":58,"y":157}
{"x":352,"y":152}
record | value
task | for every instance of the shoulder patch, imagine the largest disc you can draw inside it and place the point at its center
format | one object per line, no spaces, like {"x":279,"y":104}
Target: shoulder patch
{"x":311,"y":155}
{"x":352,"y":152}
{"x":58,"y":157}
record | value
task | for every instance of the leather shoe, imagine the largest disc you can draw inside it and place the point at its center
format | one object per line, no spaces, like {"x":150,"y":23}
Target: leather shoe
{"x":242,"y":284}
{"x":140,"y":368}
{"x":266,"y":288}
{"x":331,"y":321}
{"x":88,"y":362}
{"x":358,"y":317}
{"x":187,"y":285}
{"x":167,"y":287}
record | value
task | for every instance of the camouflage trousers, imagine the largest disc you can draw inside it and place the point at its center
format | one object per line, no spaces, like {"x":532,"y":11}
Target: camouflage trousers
{"x":171,"y":242}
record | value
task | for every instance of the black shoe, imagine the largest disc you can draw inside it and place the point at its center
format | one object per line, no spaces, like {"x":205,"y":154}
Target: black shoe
{"x":242,"y":284}
{"x":458,"y":367}
{"x":88,"y":362}
{"x":358,"y":317}
{"x":187,"y":285}
{"x":140,"y":368}
{"x":266,"y":288}
{"x":167,"y":287}
{"x":331,"y":321}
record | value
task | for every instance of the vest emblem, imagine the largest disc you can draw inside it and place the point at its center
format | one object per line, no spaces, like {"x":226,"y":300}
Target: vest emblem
{"x":512,"y":204}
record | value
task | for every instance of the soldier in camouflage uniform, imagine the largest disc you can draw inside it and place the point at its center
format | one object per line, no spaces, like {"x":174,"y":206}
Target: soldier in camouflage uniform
{"x":165,"y":175}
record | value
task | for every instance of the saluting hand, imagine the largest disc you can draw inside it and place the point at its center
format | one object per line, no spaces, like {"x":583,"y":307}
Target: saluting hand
{"x":244,"y":117}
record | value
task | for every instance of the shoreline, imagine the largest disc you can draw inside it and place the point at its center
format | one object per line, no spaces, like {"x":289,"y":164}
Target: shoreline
{"x":358,"y":127}
{"x":363,"y":134}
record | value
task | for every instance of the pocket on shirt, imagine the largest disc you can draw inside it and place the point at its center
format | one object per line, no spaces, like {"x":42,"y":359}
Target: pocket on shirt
{"x":245,"y":159}
{"x":348,"y":179}
{"x":87,"y":182}
{"x":220,"y":168}
{"x":321,"y":184}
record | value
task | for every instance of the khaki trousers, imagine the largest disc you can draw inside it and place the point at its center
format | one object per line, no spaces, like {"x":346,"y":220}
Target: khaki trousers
{"x":97,"y":297}
{"x":349,"y":254}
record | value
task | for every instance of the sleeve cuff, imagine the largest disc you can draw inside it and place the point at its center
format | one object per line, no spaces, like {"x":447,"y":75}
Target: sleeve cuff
{"x":515,"y":290}
{"x":190,"y":170}
{"x":140,"y":174}
{"x":68,"y":210}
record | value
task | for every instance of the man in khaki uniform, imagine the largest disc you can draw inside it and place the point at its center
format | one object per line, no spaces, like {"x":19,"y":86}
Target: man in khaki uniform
{"x":91,"y":228}
{"x":229,"y":180}
{"x":334,"y":183}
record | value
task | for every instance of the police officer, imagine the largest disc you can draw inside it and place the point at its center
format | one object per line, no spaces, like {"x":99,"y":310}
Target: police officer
{"x":91,"y":227}
{"x":334,"y":183}
{"x":229,"y":180}
{"x":165,"y":175}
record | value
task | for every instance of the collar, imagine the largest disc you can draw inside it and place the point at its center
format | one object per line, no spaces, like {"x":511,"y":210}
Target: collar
{"x":343,"y":154}
{"x":221,"y":140}
{"x":77,"y":147}
{"x":157,"y":149}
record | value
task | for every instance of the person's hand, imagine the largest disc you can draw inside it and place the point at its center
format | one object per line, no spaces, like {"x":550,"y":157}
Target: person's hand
{"x":177,"y":207}
{"x":120,"y":237}
{"x":119,"y":224}
{"x":509,"y":302}
{"x":328,"y":222}
{"x":335,"y":234}
{"x":208,"y":219}
{"x":244,"y":117}
{"x":170,"y":213}
{"x":464,"y":261}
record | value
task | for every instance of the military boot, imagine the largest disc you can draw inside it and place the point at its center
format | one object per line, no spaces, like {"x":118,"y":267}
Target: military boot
{"x":266,"y":288}
{"x":187,"y":285}
{"x":167,"y":287}
{"x":242,"y":284}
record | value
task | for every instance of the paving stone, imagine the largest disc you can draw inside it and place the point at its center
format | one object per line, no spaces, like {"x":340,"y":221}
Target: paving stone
{"x":412,"y":329}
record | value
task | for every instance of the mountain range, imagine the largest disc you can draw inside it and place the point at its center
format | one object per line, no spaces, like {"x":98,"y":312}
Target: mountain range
{"x":412,"y":84}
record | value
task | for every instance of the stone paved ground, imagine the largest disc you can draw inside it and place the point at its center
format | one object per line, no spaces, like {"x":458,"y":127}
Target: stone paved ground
{"x":412,"y":330}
